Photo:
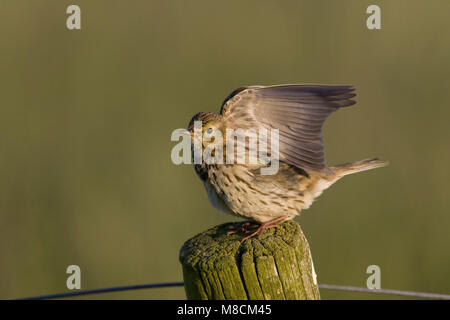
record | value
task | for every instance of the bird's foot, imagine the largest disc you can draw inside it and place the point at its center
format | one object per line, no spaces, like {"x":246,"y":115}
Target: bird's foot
{"x":243,"y":227}
{"x":266,"y":225}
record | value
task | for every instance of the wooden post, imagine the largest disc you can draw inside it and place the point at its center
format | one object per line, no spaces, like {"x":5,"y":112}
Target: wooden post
{"x":277,"y":265}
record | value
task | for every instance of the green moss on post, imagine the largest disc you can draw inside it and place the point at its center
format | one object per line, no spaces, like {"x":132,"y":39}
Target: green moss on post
{"x":277,"y":265}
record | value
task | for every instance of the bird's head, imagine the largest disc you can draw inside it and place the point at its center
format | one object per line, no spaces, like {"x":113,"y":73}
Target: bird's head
{"x":206,"y":126}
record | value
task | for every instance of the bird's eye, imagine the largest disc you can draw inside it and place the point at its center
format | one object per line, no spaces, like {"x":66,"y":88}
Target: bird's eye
{"x":210,"y":130}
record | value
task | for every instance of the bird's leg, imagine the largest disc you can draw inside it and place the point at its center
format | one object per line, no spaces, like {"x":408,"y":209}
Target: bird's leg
{"x":242,"y":228}
{"x":265,"y":225}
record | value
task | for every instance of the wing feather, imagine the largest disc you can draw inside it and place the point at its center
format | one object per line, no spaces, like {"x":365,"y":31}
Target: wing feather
{"x":297,"y":111}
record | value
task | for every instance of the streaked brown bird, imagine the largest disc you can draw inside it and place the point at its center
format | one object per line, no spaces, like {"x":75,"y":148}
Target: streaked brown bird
{"x":298,"y":112}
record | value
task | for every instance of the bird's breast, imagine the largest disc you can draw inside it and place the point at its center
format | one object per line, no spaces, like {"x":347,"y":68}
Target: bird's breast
{"x":240,"y":190}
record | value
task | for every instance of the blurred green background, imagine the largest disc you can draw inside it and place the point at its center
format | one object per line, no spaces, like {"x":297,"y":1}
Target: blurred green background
{"x":86,"y":118}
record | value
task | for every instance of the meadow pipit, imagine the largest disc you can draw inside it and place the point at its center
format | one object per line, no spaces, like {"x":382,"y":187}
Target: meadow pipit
{"x":297,"y":112}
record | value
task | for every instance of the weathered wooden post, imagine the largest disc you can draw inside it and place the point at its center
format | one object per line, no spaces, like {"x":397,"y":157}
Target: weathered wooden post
{"x":277,"y":265}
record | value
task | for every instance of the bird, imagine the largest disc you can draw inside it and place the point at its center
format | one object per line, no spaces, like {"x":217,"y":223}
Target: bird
{"x":298,"y":112}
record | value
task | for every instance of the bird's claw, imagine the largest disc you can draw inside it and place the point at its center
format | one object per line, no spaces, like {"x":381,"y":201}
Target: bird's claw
{"x":266,"y":225}
{"x":243,"y":228}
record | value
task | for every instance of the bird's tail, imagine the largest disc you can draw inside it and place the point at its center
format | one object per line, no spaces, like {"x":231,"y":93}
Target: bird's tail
{"x":353,"y":167}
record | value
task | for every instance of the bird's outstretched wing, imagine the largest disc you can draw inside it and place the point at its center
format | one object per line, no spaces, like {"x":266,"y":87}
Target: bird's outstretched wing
{"x":297,"y":111}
